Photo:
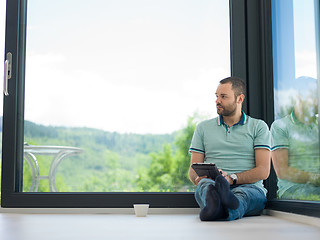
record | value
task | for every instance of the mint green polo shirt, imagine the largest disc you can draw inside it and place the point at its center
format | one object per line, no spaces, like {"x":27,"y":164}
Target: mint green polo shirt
{"x":231,"y":148}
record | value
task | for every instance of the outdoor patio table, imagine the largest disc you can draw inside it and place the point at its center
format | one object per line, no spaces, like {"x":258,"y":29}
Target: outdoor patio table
{"x":58,"y":153}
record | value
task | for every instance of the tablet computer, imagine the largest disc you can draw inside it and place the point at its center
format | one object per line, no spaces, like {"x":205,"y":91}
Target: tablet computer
{"x":206,"y":169}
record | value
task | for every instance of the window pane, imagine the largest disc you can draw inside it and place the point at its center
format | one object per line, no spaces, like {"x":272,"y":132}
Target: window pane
{"x":114,"y":89}
{"x":295,"y":131}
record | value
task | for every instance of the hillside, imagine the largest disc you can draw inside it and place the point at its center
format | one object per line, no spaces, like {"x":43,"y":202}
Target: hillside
{"x":112,"y":162}
{"x":124,"y":144}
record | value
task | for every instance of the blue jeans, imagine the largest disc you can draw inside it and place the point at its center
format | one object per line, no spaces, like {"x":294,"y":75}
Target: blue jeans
{"x":252,"y":199}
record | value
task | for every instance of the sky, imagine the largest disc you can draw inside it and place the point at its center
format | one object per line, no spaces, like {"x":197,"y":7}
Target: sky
{"x":296,"y":69}
{"x":140,"y":66}
{"x":304,"y":35}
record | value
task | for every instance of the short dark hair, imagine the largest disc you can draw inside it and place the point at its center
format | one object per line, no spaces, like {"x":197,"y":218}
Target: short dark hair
{"x":238,"y":85}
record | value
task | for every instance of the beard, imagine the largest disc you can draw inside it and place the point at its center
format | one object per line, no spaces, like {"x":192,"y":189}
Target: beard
{"x":228,"y":110}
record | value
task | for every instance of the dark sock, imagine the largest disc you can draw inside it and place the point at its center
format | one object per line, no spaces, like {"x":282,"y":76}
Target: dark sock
{"x":228,"y":199}
{"x":213,"y":207}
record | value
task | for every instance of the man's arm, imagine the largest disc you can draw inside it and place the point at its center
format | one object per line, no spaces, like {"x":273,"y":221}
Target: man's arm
{"x":280,"y":159}
{"x":260,"y":172}
{"x":195,"y":158}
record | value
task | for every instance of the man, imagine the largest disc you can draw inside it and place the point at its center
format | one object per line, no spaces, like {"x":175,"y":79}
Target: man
{"x":239,"y":146}
{"x":295,"y":149}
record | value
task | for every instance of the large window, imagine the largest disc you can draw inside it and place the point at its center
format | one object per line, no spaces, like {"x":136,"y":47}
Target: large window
{"x":295,"y":132}
{"x":104,"y":97}
{"x":116,"y":87}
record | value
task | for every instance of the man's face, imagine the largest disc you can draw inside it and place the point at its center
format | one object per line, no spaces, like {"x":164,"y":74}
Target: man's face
{"x":226,"y":101}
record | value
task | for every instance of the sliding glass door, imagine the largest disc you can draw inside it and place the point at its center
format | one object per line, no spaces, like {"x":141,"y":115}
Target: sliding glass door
{"x":104,"y":97}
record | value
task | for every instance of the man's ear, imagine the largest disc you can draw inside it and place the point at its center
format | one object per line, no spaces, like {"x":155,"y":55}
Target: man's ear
{"x":241,"y":98}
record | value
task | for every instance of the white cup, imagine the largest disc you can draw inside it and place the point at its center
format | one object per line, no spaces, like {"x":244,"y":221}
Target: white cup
{"x":141,"y":210}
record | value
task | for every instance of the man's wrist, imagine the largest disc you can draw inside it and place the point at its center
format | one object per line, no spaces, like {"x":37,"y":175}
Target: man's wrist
{"x":234,"y":178}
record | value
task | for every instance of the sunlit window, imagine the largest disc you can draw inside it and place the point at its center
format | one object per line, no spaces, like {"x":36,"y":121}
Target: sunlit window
{"x":114,"y":90}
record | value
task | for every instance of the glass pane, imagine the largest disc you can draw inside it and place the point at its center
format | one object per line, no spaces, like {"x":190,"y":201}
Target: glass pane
{"x":295,"y":132}
{"x":114,"y":90}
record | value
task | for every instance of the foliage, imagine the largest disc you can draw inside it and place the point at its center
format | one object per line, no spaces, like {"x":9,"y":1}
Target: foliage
{"x":114,"y":162}
{"x":168,"y":170}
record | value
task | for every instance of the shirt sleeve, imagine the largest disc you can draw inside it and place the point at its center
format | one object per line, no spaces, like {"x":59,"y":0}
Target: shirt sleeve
{"x":279,"y":135}
{"x":197,"y":144}
{"x":262,"y":136}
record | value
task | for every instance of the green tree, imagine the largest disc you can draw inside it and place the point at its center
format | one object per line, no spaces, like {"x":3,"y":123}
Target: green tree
{"x":169,"y":168}
{"x":181,"y":162}
{"x":158,"y":177}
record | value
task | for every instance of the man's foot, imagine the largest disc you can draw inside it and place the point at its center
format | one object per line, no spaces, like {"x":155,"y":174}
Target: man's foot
{"x":213,"y":207}
{"x":228,"y":199}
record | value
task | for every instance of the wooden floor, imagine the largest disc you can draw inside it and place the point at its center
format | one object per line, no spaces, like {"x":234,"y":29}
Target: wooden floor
{"x":26,"y":226}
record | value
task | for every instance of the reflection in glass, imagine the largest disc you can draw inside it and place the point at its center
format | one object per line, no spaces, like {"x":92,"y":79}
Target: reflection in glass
{"x":295,"y":155}
{"x":295,"y":132}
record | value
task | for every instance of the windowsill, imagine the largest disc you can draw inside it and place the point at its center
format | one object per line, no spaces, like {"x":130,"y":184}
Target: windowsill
{"x":98,"y":210}
{"x":292,"y":217}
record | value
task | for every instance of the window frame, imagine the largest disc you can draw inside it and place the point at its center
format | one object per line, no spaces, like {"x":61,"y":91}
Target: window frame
{"x":252,"y":60}
{"x":13,"y":104}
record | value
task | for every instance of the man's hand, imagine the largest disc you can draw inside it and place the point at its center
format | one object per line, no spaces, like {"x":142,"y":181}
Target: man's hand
{"x":226,"y":176}
{"x":195,"y":158}
{"x":198,"y":179}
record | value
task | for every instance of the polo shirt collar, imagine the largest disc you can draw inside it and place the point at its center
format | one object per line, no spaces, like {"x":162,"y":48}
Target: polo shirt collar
{"x":242,"y":121}
{"x":294,"y":118}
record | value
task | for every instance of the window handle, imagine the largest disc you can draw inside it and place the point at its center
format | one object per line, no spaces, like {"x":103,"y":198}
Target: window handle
{"x":7,"y":73}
